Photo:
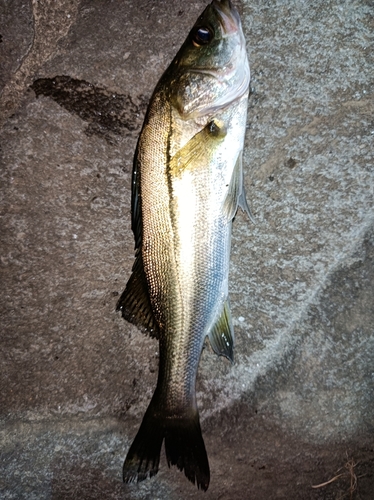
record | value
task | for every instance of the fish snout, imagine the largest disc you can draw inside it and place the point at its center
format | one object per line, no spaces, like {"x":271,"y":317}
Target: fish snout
{"x":228,"y":16}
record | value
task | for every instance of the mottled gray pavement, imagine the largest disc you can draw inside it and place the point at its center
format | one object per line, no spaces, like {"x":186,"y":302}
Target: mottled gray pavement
{"x":75,"y":379}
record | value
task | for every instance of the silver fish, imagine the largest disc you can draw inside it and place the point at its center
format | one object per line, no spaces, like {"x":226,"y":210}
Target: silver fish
{"x":186,"y":188}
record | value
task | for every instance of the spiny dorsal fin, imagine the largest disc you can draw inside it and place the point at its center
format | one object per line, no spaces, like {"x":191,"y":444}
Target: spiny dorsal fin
{"x":136,"y":216}
{"x":134,"y":302}
{"x":236,"y":193}
{"x":221,"y":335}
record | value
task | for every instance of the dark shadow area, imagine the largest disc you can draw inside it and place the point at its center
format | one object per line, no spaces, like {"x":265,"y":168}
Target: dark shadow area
{"x":103,"y":110}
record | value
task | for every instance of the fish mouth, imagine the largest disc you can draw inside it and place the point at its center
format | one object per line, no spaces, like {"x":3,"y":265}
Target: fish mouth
{"x":228,"y":16}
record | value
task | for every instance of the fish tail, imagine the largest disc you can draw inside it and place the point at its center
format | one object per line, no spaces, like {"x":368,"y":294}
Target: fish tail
{"x":143,"y":457}
{"x":184,"y":446}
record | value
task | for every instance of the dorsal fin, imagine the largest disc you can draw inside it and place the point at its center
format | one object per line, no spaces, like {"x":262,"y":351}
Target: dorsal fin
{"x":136,"y":215}
{"x":134,"y":302}
{"x":221,"y":334}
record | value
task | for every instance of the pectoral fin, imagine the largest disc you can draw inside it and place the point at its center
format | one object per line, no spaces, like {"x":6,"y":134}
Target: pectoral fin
{"x":221,"y":335}
{"x":199,"y":149}
{"x":236,"y":192}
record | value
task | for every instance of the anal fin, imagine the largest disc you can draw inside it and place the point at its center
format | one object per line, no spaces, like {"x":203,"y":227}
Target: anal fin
{"x":221,"y":334}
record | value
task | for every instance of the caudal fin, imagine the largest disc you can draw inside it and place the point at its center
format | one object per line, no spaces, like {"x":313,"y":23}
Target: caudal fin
{"x":143,"y":456}
{"x":184,"y":446}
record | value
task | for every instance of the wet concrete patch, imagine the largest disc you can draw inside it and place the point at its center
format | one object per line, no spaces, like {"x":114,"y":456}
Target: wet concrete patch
{"x":106,"y":112}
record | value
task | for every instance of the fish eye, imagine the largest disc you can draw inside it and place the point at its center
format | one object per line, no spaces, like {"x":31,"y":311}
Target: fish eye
{"x":202,"y":36}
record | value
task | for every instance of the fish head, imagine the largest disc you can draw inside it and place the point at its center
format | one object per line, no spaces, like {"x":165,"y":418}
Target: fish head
{"x":211,"y":69}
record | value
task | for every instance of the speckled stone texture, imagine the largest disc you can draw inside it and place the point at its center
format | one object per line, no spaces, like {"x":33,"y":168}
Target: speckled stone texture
{"x":297,"y":407}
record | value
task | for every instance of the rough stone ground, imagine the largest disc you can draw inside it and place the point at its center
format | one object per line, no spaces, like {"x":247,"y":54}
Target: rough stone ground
{"x":297,"y":407}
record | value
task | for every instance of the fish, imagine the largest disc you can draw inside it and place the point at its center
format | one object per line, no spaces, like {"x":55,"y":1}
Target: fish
{"x":187,"y":184}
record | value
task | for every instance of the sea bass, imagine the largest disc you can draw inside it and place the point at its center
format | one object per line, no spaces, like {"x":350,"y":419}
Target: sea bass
{"x":186,"y":187}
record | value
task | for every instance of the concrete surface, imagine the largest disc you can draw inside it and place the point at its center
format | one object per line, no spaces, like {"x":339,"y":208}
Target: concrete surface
{"x":298,"y":404}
